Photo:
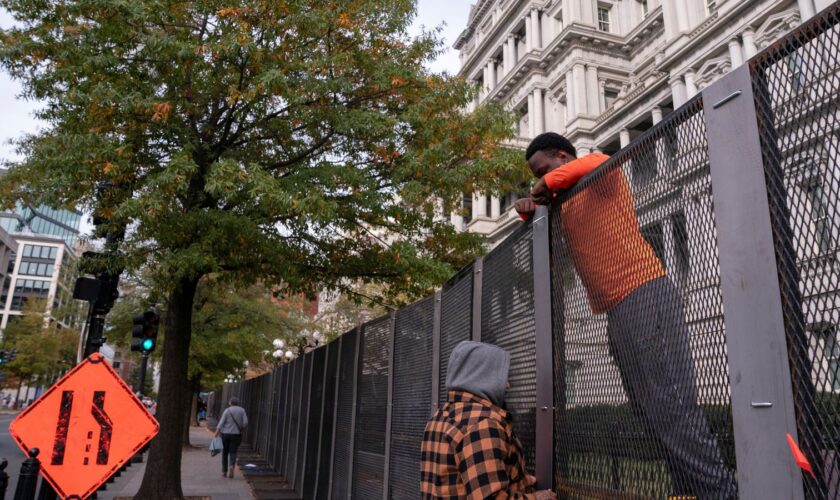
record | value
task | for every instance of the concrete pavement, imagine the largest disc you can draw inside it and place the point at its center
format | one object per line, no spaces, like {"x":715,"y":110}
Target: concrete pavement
{"x":201,"y":475}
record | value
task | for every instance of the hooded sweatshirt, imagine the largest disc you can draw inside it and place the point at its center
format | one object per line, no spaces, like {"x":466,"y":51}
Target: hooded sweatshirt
{"x":481,"y":369}
{"x":469,"y":449}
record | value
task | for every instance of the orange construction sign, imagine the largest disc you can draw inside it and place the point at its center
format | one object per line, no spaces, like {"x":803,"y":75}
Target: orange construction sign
{"x":86,"y":426}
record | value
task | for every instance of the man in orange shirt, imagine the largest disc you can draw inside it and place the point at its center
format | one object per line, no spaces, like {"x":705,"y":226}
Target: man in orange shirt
{"x":648,"y":336}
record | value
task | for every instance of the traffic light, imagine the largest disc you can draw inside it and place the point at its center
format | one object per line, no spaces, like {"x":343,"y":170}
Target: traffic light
{"x":145,"y":330}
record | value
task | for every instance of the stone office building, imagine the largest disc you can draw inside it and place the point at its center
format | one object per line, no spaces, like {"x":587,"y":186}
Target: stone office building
{"x":601,"y":72}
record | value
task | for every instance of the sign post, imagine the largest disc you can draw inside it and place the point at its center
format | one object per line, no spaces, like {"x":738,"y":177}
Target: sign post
{"x":87,"y":426}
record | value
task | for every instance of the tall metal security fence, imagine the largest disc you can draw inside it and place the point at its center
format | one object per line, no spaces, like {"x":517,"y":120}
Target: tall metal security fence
{"x":672,"y":319}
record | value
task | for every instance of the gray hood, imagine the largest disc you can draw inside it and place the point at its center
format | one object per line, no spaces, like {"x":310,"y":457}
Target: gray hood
{"x":481,"y":369}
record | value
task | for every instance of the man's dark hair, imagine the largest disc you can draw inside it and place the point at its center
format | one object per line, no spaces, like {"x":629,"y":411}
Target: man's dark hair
{"x":550,"y":143}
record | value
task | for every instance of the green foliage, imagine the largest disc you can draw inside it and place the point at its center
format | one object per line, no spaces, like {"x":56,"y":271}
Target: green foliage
{"x":303,"y":131}
{"x":43,"y":350}
{"x":231,"y":326}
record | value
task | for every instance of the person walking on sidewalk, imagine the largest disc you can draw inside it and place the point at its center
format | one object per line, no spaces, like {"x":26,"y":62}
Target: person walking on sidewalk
{"x":234,"y":420}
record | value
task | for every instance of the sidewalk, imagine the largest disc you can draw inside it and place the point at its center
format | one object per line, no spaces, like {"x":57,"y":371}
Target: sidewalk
{"x":201,"y":475}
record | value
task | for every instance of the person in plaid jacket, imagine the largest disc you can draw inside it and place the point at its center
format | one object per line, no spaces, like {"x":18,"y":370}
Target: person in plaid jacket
{"x":469,"y":450}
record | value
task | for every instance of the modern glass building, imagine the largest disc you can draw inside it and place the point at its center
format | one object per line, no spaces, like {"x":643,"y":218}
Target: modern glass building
{"x":43,"y":220}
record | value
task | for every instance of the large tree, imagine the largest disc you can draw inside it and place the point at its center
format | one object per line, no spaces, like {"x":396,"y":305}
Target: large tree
{"x":298,"y":142}
{"x":44,"y":351}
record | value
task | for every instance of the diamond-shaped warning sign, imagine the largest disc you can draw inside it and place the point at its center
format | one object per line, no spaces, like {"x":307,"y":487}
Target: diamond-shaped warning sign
{"x":86,"y":426}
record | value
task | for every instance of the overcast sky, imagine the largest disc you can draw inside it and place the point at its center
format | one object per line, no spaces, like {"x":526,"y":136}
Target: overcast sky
{"x":16,"y":114}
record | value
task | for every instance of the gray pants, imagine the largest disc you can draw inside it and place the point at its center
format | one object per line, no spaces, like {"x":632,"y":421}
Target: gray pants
{"x":649,"y":340}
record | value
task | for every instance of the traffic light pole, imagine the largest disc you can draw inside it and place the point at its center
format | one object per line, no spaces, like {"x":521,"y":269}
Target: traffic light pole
{"x":143,"y":364}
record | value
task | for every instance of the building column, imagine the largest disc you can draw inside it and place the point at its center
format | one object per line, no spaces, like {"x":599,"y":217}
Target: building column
{"x":682,"y":15}
{"x":485,"y":88}
{"x":539,"y":112}
{"x":806,"y":9}
{"x":495,"y":207}
{"x":735,"y":56}
{"x":602,"y":97}
{"x":748,"y":37}
{"x":592,"y":100}
{"x":690,"y":86}
{"x":510,"y":53}
{"x":678,"y":91}
{"x":579,"y":87}
{"x":536,"y":36}
{"x":656,"y":114}
{"x":528,"y":34}
{"x":514,"y":52}
{"x":560,"y":118}
{"x":571,"y":105}
{"x":491,"y":74}
{"x":532,"y":122}
{"x":479,"y":205}
{"x":624,"y":137}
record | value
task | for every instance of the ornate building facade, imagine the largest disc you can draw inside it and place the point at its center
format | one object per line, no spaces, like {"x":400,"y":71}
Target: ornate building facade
{"x":601,"y":72}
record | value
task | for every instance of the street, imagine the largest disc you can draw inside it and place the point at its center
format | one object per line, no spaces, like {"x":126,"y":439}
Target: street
{"x":10,"y":451}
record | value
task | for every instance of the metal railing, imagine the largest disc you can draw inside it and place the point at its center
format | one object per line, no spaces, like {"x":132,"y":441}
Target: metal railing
{"x":671,"y":319}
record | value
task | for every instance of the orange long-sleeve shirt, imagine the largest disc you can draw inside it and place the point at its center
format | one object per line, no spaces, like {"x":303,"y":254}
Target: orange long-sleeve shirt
{"x":602,"y":232}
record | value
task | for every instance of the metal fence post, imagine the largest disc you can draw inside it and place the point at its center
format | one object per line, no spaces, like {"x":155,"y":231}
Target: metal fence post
{"x":436,"y":351}
{"x":28,"y":480}
{"x":390,"y":406}
{"x":762,"y":397}
{"x":544,"y":453}
{"x":478,"y":269}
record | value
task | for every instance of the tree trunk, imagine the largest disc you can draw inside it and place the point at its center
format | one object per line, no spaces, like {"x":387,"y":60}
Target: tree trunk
{"x":191,"y":414}
{"x":162,"y":478}
{"x":17,"y":396}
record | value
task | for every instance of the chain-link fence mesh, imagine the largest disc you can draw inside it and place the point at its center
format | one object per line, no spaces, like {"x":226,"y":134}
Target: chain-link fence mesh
{"x":314,"y":425}
{"x":455,"y":320}
{"x":328,"y":422}
{"x":507,"y":320}
{"x":343,"y":451}
{"x":412,"y":392}
{"x":796,"y":87}
{"x":641,"y":379}
{"x":371,"y":409}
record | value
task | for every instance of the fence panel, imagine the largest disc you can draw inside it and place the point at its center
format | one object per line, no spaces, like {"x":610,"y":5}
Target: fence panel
{"x":314,"y":423}
{"x":507,"y":320}
{"x":294,"y":419}
{"x":455,"y":320}
{"x":371,"y":410}
{"x":642,"y":385}
{"x":411,"y":395}
{"x":343,"y":453}
{"x":303,"y":420}
{"x":328,"y":423}
{"x":796,"y":83}
{"x":280,"y":454}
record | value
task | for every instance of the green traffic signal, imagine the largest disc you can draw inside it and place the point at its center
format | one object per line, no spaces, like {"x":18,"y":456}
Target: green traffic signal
{"x":148,"y":344}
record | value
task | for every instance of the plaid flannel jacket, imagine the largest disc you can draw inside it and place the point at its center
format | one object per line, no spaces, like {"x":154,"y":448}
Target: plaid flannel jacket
{"x":469,"y":451}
